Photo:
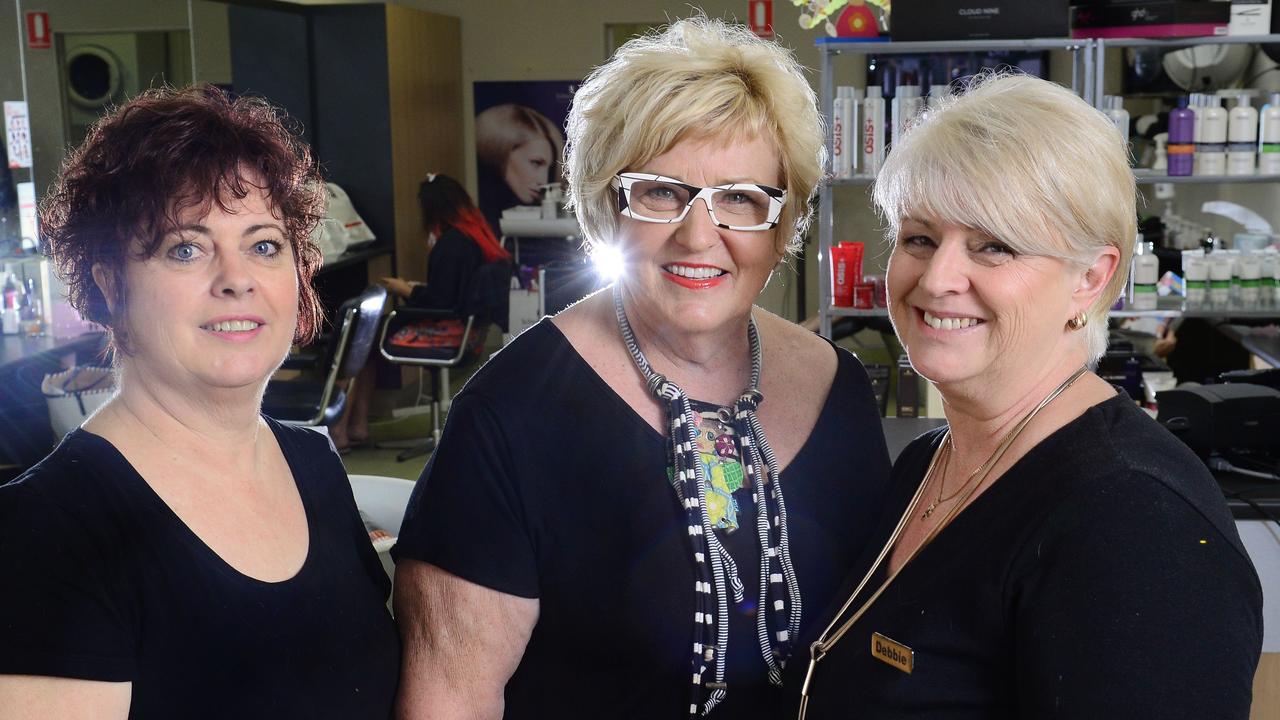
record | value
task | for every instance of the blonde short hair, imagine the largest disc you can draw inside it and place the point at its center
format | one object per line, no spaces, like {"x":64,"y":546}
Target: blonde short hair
{"x":698,"y":78}
{"x":1027,"y":162}
{"x":503,"y":128}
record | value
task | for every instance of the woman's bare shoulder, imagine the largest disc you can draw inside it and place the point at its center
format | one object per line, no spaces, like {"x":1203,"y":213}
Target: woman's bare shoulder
{"x":800,"y":358}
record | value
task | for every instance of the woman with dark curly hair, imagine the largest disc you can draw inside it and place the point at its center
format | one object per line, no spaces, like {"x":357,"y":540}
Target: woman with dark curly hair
{"x":181,"y":555}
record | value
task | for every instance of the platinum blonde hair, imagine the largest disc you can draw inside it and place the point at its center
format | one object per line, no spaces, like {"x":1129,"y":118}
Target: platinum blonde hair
{"x":1028,"y":163}
{"x":503,"y":128}
{"x":698,"y":78}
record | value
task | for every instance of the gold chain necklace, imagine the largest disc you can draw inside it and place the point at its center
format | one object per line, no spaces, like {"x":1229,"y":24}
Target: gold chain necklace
{"x":824,"y":644}
{"x":942,"y":478}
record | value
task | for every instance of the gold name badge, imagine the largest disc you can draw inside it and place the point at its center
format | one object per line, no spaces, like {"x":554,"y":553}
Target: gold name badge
{"x":893,"y":653}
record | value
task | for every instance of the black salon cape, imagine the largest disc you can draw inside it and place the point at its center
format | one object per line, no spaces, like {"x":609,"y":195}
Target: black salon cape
{"x":1100,"y":577}
{"x":100,"y":580}
{"x":547,"y":485}
{"x":452,"y":263}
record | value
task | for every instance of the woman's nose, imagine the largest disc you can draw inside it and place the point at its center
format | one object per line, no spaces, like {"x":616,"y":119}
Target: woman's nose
{"x":697,"y":231}
{"x":946,"y":270}
{"x":234,"y":277}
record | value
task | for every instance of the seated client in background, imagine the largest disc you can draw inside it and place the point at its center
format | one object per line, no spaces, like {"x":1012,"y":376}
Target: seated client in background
{"x":1052,"y":552}
{"x":459,"y":241}
{"x":604,"y":519}
{"x":181,"y":555}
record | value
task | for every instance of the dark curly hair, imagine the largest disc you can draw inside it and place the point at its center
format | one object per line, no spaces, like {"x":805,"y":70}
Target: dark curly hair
{"x":163,"y":153}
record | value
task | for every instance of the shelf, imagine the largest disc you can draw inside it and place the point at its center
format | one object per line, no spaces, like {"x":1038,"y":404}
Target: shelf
{"x":835,"y":311}
{"x":855,"y":180}
{"x":881,"y":47}
{"x":1187,"y":41}
{"x":1199,"y":313}
{"x":1149,"y":178}
{"x":1169,"y":307}
{"x":1143,"y":177}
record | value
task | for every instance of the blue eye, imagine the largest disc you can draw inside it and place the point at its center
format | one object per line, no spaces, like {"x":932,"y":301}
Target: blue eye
{"x":266,"y":248}
{"x":184,"y":252}
{"x":998,"y":248}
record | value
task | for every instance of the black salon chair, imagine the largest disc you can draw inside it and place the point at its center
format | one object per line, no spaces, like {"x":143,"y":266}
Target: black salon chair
{"x":315,"y":398}
{"x":486,"y":295}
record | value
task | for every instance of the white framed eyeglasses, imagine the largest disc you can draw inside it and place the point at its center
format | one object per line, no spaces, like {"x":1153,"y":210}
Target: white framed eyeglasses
{"x":660,"y":199}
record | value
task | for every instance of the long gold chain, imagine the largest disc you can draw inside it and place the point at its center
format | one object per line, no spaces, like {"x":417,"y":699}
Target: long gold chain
{"x":824,"y":644}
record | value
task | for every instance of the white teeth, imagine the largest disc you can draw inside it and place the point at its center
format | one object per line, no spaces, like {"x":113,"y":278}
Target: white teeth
{"x":938,"y":323}
{"x":233,"y":326}
{"x":700,"y":273}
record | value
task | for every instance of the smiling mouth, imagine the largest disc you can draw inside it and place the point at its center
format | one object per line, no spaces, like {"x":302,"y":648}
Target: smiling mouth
{"x":950,"y":323}
{"x":232,"y":326}
{"x":694,"y":273}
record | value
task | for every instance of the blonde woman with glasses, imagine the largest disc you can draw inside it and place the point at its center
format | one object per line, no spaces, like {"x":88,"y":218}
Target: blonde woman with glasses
{"x":638,"y":506}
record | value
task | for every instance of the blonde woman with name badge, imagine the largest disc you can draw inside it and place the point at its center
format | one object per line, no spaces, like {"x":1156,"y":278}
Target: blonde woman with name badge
{"x":1052,"y":552}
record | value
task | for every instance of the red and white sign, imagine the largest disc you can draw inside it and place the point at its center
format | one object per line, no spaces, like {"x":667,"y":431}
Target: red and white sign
{"x":38,"y":35}
{"x":761,"y":14}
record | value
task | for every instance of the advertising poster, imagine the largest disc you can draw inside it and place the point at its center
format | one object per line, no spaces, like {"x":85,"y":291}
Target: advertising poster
{"x":17,"y":134}
{"x":519,"y":130}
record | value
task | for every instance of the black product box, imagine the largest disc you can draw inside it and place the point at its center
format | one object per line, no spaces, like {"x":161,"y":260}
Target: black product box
{"x":908,"y":389}
{"x":1160,"y":18}
{"x":978,"y":19}
{"x":879,"y":376}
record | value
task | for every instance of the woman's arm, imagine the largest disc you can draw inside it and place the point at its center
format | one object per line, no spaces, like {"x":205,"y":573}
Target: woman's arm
{"x":1135,"y":606}
{"x":461,"y":643}
{"x":31,"y":697}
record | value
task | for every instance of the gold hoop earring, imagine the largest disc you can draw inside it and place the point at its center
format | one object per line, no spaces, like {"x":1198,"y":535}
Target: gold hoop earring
{"x":1078,"y":322}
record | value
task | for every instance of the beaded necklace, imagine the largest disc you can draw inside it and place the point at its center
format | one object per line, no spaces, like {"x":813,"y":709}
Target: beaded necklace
{"x":778,"y":614}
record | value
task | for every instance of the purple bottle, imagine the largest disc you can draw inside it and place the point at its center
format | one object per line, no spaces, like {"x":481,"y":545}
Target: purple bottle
{"x":1182,"y":146}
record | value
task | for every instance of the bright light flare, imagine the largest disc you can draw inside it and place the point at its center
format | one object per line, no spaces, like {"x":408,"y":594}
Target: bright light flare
{"x":609,"y":262}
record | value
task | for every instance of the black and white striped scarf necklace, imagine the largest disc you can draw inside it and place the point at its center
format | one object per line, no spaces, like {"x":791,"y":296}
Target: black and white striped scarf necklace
{"x":778,"y":615}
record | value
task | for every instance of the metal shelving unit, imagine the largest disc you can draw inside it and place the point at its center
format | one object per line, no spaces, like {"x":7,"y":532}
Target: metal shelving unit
{"x":1146,"y":177}
{"x":1087,"y":72}
{"x":829,"y":49}
{"x":1174,"y":306}
{"x":1100,"y":52}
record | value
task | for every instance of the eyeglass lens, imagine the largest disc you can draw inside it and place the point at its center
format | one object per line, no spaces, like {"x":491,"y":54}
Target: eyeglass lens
{"x":658,"y":200}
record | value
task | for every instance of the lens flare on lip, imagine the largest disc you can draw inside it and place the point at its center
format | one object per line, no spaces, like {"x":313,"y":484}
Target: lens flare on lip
{"x":609,"y":262}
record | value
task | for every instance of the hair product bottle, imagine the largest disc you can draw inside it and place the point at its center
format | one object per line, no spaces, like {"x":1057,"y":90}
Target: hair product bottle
{"x":1269,"y":137}
{"x":1196,"y":270}
{"x":845,"y":130}
{"x":907,"y":104}
{"x":1220,"y":279}
{"x":1182,"y":139}
{"x":1270,"y":278}
{"x":1195,"y":105}
{"x":1211,"y":152}
{"x":872,"y":132}
{"x":1144,"y":276}
{"x":1114,"y":105}
{"x":840,"y":150}
{"x":1250,"y":266}
{"x":1242,"y":137}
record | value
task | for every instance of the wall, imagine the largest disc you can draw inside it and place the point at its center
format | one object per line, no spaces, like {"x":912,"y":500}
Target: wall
{"x":557,"y":39}
{"x":565,"y":39}
{"x":67,"y":16}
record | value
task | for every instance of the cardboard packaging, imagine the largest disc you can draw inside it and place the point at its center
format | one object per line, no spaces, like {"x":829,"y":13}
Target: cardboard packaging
{"x":1156,"y":19}
{"x":978,"y":19}
{"x":1250,"y":17}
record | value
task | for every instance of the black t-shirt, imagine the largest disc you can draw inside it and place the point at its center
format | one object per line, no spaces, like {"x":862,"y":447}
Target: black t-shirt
{"x":1100,"y":577}
{"x":452,"y":263}
{"x":547,"y":485}
{"x":103,"y":581}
